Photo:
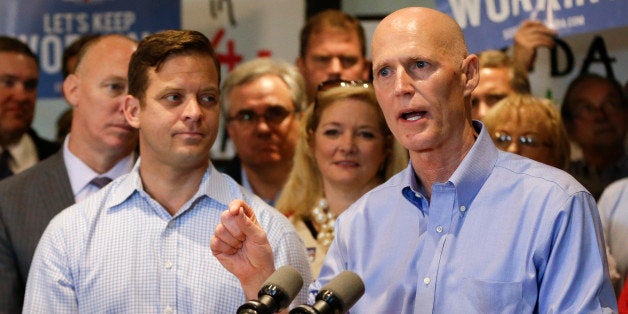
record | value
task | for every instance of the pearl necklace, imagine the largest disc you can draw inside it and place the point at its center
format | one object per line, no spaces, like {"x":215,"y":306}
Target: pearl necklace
{"x":326,"y":220}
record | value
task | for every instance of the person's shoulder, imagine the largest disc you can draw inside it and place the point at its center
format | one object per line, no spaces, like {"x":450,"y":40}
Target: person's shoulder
{"x":32,"y":177}
{"x":539,"y":174}
{"x":617,"y":186}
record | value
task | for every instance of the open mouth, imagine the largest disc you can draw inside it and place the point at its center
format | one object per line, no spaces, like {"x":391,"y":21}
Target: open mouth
{"x":413,"y":116}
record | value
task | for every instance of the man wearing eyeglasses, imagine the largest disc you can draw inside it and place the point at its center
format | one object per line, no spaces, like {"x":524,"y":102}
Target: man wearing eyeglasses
{"x":262,"y":103}
{"x":20,"y":146}
{"x":332,"y":46}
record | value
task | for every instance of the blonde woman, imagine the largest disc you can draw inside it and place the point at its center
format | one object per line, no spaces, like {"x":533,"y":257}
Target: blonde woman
{"x":345,"y":149}
{"x":530,"y":127}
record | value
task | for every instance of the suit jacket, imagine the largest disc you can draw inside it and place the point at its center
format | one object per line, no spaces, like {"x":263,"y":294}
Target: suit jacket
{"x":44,"y":148}
{"x":28,"y":201}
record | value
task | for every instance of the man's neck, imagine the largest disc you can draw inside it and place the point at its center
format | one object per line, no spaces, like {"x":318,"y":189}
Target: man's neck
{"x":439,"y":164}
{"x":267,"y":182}
{"x":100,"y":160}
{"x":170,"y":187}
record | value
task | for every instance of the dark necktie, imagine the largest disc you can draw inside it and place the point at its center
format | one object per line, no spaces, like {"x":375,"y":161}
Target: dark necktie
{"x":5,"y":171}
{"x":100,"y":182}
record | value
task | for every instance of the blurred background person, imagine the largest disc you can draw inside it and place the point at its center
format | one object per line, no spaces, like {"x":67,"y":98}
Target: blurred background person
{"x":530,"y":127}
{"x":68,"y":64}
{"x":98,"y":150}
{"x":20,"y":146}
{"x":263,"y":101}
{"x":499,"y":78}
{"x":613,"y":207}
{"x":595,"y":115}
{"x":332,"y":46}
{"x":345,"y":149}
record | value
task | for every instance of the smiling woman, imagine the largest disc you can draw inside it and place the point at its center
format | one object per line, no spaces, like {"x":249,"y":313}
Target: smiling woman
{"x":345,"y":149}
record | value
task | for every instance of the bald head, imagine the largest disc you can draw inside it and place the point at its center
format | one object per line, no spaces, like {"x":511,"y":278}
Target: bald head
{"x":114,"y":43}
{"x":438,"y":28}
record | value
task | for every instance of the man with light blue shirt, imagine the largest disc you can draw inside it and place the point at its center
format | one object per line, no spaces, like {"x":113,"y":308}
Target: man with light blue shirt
{"x":142,"y":244}
{"x":99,"y":149}
{"x":466,"y":228}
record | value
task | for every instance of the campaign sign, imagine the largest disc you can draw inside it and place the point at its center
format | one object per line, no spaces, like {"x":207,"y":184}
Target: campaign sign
{"x":48,"y":26}
{"x":491,"y":24}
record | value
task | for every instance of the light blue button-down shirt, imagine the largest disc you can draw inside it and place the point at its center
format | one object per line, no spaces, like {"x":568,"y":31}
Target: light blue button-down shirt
{"x":119,"y":251}
{"x":504,"y":234}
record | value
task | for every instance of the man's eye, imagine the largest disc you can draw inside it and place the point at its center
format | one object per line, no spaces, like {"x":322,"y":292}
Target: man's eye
{"x":385,"y":72}
{"x":322,"y":59}
{"x":348,"y":62}
{"x":173,"y":98}
{"x":246,"y":115}
{"x":420,"y":64}
{"x":7,"y":82}
{"x":208,"y":99}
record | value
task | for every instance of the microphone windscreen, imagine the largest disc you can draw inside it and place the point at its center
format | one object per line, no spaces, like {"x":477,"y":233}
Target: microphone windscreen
{"x":288,"y":279}
{"x":347,"y":286}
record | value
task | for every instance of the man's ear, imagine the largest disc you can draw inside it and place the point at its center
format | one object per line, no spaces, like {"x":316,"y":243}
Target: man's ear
{"x":70,"y":89}
{"x":471,"y":72}
{"x":132,"y":111}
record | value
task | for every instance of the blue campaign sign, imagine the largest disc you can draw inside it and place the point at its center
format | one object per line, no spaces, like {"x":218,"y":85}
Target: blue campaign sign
{"x":48,"y":26}
{"x":491,"y":24}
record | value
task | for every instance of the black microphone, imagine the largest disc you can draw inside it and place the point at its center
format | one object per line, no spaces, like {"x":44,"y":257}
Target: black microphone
{"x":336,"y":297}
{"x":276,"y":293}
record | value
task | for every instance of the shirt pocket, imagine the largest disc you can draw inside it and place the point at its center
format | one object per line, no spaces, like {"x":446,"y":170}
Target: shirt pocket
{"x":493,"y":297}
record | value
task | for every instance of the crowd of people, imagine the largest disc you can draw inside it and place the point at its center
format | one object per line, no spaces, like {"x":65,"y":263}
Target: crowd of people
{"x":430,"y":172}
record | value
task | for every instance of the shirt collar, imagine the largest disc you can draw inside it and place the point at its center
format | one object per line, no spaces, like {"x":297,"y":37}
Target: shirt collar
{"x":211,"y":186}
{"x":81,"y":174}
{"x":472,"y":172}
{"x":23,"y":153}
{"x":476,"y":167}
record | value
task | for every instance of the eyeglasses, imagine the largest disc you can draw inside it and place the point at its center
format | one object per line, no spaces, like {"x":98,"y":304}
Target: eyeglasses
{"x":273,"y":115}
{"x":329,"y":84}
{"x":503,"y":140}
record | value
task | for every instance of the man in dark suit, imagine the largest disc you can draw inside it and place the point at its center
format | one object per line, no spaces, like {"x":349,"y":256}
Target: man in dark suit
{"x":20,"y":147}
{"x":99,"y":148}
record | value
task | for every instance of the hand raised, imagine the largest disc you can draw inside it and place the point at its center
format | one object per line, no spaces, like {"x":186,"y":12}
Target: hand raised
{"x":241,"y":246}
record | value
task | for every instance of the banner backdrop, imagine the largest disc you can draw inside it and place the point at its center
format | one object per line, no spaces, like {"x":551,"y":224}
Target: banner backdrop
{"x":491,"y":24}
{"x":48,"y":26}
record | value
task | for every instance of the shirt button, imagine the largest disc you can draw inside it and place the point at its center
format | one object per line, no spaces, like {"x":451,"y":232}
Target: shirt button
{"x":427,"y":280}
{"x":168,"y":310}
{"x":168,"y":265}
{"x":439,"y":229}
{"x":463,"y":208}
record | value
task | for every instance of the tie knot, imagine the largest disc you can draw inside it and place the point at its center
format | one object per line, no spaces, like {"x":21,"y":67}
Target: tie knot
{"x":100,"y":182}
